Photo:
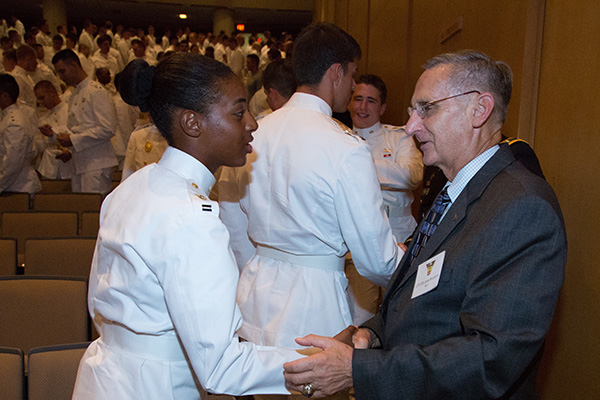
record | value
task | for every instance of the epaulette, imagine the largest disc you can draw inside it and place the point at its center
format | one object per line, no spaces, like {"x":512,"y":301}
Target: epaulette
{"x":201,"y":198}
{"x":512,"y":140}
{"x":395,"y":128}
{"x":142,"y":127}
{"x":97,"y":85}
{"x":346,"y":129}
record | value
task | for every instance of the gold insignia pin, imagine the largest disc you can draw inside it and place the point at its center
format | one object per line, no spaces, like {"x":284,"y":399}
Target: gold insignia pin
{"x":148,"y":147}
{"x":194,"y":185}
{"x":201,"y":197}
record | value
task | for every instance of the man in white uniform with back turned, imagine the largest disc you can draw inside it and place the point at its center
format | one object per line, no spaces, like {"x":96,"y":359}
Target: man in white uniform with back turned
{"x":310,"y":195}
{"x":18,"y":125}
{"x":91,"y":122}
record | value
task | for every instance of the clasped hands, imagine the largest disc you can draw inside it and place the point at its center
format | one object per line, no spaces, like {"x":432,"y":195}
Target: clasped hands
{"x":330,"y":370}
{"x":64,"y":139}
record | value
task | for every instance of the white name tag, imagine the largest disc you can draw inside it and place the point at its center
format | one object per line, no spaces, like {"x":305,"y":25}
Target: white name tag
{"x":428,"y":275}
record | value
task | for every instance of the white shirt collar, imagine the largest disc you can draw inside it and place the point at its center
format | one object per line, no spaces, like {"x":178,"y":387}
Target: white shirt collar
{"x":467,"y":172}
{"x":366,"y":132}
{"x":309,"y":101}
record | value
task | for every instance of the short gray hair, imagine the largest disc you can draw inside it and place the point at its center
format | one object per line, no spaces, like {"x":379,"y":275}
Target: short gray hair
{"x":472,"y":70}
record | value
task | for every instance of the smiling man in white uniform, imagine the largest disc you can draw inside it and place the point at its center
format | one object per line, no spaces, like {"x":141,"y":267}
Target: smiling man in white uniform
{"x":398,"y":161}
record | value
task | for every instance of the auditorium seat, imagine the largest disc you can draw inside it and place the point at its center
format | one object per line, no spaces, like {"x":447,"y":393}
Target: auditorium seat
{"x":89,"y":223}
{"x":8,"y":256}
{"x":42,"y":310}
{"x":14,"y":202}
{"x":59,"y":256}
{"x":52,"y":370}
{"x":56,"y":186}
{"x":33,"y":224}
{"x":12,"y":377}
{"x":78,"y":202}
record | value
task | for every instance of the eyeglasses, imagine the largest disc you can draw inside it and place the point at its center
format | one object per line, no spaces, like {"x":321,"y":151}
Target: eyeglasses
{"x":424,"y":108}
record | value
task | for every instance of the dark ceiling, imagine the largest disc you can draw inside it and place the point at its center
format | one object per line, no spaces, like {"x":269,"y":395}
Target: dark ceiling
{"x":135,"y":13}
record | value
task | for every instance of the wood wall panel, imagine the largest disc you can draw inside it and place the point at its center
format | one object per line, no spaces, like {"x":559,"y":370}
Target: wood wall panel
{"x":567,"y":142}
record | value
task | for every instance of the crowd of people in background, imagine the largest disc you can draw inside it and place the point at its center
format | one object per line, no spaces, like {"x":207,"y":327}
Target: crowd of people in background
{"x":103,"y":51}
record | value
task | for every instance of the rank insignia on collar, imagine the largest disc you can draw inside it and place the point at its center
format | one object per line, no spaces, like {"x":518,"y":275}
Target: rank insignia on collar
{"x":206,"y":207}
{"x":148,"y":147}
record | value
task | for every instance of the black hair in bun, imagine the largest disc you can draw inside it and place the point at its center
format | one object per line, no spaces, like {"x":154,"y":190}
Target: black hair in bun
{"x":180,"y":81}
{"x":135,"y":84}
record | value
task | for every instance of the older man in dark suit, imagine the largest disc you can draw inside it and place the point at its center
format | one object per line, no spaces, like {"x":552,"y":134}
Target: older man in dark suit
{"x":466,"y":313}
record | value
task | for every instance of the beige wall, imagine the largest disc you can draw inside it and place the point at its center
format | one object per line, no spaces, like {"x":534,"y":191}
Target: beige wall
{"x":568,"y":145}
{"x":553,"y":47}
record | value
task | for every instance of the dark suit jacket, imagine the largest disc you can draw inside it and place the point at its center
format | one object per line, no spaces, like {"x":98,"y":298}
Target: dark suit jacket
{"x":479,"y":334}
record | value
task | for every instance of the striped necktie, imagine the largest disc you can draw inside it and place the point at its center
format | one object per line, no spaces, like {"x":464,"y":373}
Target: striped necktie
{"x":430,"y":222}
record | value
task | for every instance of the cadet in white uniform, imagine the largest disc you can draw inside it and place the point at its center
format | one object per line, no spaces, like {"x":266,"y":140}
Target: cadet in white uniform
{"x":18,"y":126}
{"x":310,"y":195}
{"x":398,"y":161}
{"x":146,"y":146}
{"x":26,"y":62}
{"x":92,"y":123}
{"x":51,"y":122}
{"x":163,"y":280}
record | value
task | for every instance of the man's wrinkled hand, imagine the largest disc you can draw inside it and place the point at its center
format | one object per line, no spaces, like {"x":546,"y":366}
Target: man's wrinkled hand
{"x":328,"y":372}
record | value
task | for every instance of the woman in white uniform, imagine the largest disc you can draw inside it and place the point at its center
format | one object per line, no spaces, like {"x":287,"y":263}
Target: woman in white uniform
{"x":163,"y":280}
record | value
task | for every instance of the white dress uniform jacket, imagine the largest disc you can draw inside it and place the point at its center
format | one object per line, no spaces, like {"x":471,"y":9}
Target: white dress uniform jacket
{"x":26,"y":84}
{"x":146,"y":146}
{"x":162,"y":293}
{"x":17,"y":129}
{"x":399,"y":167}
{"x":49,"y":166}
{"x":92,"y":123}
{"x":310,"y":195}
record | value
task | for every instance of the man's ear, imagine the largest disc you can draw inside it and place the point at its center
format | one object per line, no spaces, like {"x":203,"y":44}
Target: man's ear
{"x":191,"y":123}
{"x":382,"y":110}
{"x":483,"y":109}
{"x":336,"y":73}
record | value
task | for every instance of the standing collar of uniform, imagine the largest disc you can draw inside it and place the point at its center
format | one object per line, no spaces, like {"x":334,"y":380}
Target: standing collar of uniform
{"x":366,"y":132}
{"x":187,"y":167}
{"x":13,"y":106}
{"x":83,"y":83}
{"x":19,"y":70}
{"x":468,"y":172}
{"x":57,"y":107}
{"x":310,"y":102}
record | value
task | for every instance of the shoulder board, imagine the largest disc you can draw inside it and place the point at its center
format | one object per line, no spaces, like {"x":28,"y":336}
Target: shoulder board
{"x":395,"y":128}
{"x":200,"y":198}
{"x":346,"y":129}
{"x":142,"y":127}
{"x":512,"y":140}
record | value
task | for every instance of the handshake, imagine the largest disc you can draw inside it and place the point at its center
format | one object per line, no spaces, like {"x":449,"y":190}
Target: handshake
{"x":328,"y":371}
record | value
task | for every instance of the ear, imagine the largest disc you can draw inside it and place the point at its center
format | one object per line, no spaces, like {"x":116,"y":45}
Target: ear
{"x":382,"y":109}
{"x":191,"y":123}
{"x":483,"y":109}
{"x":336,"y":73}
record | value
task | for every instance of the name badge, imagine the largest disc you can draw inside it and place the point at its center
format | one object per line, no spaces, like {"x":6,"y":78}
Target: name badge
{"x":428,"y":275}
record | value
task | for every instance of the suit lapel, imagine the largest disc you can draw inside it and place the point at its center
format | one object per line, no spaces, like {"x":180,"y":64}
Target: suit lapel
{"x":455,"y":215}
